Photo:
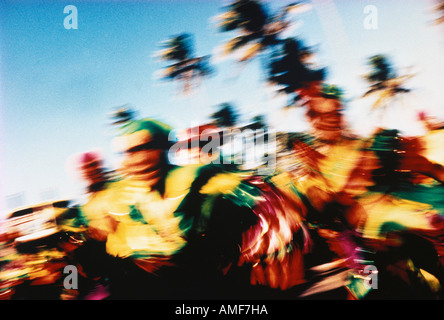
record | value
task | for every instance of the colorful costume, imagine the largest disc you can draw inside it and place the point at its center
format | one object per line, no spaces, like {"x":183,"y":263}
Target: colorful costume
{"x":226,"y":224}
{"x":156,"y":231}
{"x":379,"y":188}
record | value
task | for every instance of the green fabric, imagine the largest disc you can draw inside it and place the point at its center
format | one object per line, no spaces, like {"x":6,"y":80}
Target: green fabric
{"x":159,"y":130}
{"x":384,"y":146}
{"x":72,"y":219}
{"x":432,"y":194}
{"x":332,"y":91}
{"x":358,"y":288}
{"x":136,"y":215}
{"x":244,"y":195}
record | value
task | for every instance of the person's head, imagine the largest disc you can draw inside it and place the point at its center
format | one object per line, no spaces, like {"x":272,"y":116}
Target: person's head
{"x":90,"y":166}
{"x":326,"y":118}
{"x":310,"y":89}
{"x":144,"y":144}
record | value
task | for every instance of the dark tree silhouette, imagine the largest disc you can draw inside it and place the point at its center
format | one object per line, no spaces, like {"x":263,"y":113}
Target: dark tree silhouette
{"x":384,"y":81}
{"x":186,"y":67}
{"x":258,"y":28}
{"x":122,"y":115}
{"x":226,"y":116}
{"x":289,"y":69}
{"x":257,"y":123}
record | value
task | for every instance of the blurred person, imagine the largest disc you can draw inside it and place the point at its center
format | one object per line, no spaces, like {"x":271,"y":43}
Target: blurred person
{"x":367,"y":184}
{"x":197,"y":231}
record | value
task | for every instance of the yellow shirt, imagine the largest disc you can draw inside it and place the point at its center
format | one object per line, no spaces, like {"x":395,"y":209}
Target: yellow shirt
{"x":155,"y":231}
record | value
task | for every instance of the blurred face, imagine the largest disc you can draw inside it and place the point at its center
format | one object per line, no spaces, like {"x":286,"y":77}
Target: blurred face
{"x":90,"y":167}
{"x":92,"y":172}
{"x":141,"y":156}
{"x":311,"y":89}
{"x":325,"y":117}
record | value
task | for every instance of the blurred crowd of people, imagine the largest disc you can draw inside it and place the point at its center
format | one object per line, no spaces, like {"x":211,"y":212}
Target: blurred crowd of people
{"x":336,"y":206}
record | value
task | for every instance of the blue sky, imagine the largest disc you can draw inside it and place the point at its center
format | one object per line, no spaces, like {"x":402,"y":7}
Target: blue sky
{"x":58,"y":85}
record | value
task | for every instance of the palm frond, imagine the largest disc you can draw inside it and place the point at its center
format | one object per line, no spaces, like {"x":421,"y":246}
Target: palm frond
{"x":185,"y":67}
{"x":199,"y":65}
{"x":177,"y":48}
{"x":255,"y":25}
{"x":251,"y":51}
{"x":384,"y":82}
{"x":382,"y":99}
{"x":381,"y":69}
{"x":439,"y":8}
{"x":287,"y":67}
{"x":250,"y":19}
{"x":237,"y":43}
{"x":297,"y":8}
{"x":228,"y":21}
{"x":251,"y":15}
